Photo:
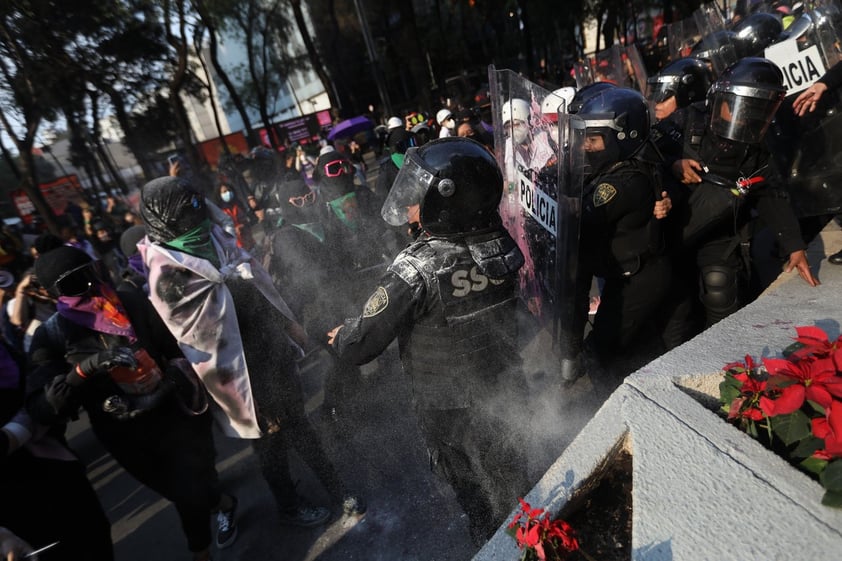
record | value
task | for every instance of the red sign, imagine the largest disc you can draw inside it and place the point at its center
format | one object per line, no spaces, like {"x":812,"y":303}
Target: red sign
{"x":212,"y":150}
{"x":57,"y":193}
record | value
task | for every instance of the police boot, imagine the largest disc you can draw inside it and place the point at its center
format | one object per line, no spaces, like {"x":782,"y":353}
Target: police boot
{"x":571,"y":370}
{"x":836,"y":258}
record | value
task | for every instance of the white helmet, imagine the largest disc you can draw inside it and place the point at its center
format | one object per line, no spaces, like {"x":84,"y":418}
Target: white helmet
{"x":394,"y":122}
{"x":517,"y":109}
{"x":443,"y":115}
{"x":557,"y":100}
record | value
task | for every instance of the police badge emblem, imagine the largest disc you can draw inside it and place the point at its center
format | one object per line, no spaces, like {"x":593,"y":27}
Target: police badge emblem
{"x":603,"y":194}
{"x":376,"y":303}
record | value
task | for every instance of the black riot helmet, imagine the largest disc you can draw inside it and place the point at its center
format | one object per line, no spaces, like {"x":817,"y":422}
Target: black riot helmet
{"x":585,"y":93}
{"x":621,"y":117}
{"x":756,"y":32}
{"x":744,"y":99}
{"x":721,"y":49}
{"x":457,"y":183}
{"x":688,"y":79}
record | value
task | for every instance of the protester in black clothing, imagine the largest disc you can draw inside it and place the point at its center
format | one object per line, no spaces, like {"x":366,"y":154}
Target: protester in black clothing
{"x":242,"y":339}
{"x":46,"y":495}
{"x":449,"y":299}
{"x":109,"y":353}
{"x":731,"y":179}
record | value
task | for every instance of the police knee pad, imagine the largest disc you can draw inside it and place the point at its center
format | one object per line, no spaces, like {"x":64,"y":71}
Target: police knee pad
{"x":719,"y":290}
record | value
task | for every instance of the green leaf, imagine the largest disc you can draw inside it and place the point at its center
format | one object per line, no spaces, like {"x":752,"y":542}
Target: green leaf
{"x":791,"y":428}
{"x":814,"y":465}
{"x":729,"y":390}
{"x":807,"y":446}
{"x":831,"y":477}
{"x":832,"y":498}
{"x":815,"y":407}
{"x":792,"y":348}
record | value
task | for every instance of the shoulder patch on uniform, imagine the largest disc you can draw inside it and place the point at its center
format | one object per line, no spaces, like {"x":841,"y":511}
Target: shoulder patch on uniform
{"x":603,"y":194}
{"x":376,"y":303}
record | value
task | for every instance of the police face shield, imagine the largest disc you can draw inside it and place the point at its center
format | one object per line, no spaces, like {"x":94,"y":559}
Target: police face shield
{"x":661,"y":88}
{"x":409,"y":188}
{"x":744,"y":113}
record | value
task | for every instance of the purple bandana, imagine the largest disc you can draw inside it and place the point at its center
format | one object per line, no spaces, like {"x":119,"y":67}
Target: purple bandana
{"x":102,"y":311}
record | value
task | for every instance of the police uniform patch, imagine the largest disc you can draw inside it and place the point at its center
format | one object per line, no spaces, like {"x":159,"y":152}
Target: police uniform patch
{"x":603,"y":194}
{"x":376,"y":303}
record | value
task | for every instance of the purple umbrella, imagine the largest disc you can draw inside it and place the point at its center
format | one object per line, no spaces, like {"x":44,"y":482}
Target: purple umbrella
{"x":350,"y":127}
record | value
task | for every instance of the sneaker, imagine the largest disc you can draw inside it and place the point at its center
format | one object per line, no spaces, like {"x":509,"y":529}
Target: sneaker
{"x":226,"y":526}
{"x":353,"y":505}
{"x":305,"y":516}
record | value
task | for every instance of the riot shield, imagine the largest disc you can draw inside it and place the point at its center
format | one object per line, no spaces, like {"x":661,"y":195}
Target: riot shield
{"x":806,"y":148}
{"x":703,"y":35}
{"x":682,"y":36}
{"x":622,"y":66}
{"x":537,"y":210}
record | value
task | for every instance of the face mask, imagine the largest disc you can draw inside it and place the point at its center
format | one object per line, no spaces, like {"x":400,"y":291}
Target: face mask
{"x":197,"y":242}
{"x":519,"y":134}
{"x":227,"y":196}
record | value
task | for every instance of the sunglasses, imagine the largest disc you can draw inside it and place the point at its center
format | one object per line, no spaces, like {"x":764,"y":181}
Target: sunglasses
{"x":78,"y":281}
{"x":337,"y":168}
{"x":304,"y":200}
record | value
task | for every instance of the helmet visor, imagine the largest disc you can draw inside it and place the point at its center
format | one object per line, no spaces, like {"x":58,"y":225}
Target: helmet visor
{"x":740,"y":118}
{"x":409,"y":188}
{"x":661,"y":88}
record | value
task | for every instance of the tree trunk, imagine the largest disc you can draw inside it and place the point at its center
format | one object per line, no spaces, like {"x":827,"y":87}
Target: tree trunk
{"x":129,"y":137}
{"x":251,"y":136}
{"x":313,"y":54}
{"x":176,"y":85}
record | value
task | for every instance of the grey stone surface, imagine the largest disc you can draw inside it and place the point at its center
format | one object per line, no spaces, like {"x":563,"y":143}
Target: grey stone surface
{"x":702,"y":488}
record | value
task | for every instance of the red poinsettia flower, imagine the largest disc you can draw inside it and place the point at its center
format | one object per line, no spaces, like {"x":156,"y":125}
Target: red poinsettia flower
{"x":561,"y":530}
{"x":829,"y":429}
{"x":815,"y":341}
{"x":822,"y":455}
{"x":737,"y":410}
{"x":750,"y":384}
{"x":537,"y":533}
{"x":814,"y":379}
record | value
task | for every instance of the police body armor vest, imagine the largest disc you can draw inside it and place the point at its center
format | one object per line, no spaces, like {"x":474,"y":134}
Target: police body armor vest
{"x":463,"y":345}
{"x":712,"y":205}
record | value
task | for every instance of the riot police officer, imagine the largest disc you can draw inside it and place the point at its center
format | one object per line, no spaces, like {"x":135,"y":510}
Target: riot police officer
{"x":729,"y":173}
{"x":620,"y":240}
{"x":450,"y":298}
{"x":680,"y":83}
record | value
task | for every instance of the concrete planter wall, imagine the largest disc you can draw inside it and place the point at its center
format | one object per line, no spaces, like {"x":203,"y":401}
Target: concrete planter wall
{"x":704,"y":490}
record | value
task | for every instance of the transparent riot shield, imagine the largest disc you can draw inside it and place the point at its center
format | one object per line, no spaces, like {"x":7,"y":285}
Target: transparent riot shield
{"x":536,"y":209}
{"x":622,"y":66}
{"x":806,"y":149}
{"x":636,"y":74}
{"x":682,"y":36}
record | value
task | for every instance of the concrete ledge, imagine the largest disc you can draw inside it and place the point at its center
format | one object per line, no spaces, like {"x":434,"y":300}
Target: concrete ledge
{"x":702,"y":488}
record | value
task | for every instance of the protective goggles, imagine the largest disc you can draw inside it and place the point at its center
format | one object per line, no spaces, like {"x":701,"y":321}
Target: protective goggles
{"x":304,"y":200}
{"x":338,"y":167}
{"x":78,"y":281}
